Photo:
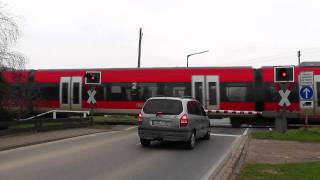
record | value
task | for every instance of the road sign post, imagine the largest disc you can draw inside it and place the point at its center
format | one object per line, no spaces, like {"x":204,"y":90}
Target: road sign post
{"x":284,"y":78}
{"x":92,"y":79}
{"x":92,"y":101}
{"x":306,"y":93}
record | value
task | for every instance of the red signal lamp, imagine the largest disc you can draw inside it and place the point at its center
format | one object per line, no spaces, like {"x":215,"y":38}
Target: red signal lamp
{"x":284,"y":74}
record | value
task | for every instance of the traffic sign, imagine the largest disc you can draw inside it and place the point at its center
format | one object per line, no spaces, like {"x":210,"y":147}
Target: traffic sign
{"x":306,"y":78}
{"x":91,"y":99}
{"x":306,"y":92}
{"x":284,"y":98}
{"x":306,"y":104}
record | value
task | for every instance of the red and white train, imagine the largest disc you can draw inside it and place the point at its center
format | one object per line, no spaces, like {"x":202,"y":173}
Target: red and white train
{"x":123,"y":91}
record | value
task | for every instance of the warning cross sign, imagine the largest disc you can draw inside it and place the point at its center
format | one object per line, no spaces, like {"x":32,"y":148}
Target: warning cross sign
{"x":91,"y":94}
{"x":284,"y":98}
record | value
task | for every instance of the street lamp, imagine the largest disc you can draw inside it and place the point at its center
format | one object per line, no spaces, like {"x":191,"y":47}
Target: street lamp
{"x":194,"y":54}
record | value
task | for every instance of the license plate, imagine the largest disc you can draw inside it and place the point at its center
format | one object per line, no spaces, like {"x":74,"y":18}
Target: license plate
{"x":159,"y":123}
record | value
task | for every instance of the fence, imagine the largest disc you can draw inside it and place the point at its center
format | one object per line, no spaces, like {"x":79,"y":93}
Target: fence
{"x":42,"y":122}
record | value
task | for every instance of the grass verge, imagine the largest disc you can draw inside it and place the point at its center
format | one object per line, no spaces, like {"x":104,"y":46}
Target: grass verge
{"x":310,"y":135}
{"x":307,"y":170}
{"x":115,"y":120}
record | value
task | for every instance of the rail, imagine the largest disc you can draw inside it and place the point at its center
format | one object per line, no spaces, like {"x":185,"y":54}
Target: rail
{"x":54,"y":114}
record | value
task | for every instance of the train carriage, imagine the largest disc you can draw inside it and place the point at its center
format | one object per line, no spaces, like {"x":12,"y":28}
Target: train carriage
{"x":124,"y":90}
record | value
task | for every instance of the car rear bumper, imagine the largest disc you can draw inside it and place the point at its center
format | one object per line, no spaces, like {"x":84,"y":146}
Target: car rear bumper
{"x":165,"y":134}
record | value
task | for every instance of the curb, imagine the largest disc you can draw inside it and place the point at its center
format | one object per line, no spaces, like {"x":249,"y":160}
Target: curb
{"x":48,"y":140}
{"x":233,"y":161}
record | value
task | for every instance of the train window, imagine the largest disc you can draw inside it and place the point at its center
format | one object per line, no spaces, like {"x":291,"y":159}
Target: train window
{"x":237,"y":94}
{"x":198,"y":91}
{"x":49,"y":92}
{"x":178,"y":91}
{"x":318,"y":93}
{"x":115,"y":89}
{"x":76,"y":88}
{"x":142,"y":91}
{"x":174,"y":89}
{"x":104,"y":92}
{"x":212,"y":93}
{"x":65,"y":90}
{"x":147,"y":90}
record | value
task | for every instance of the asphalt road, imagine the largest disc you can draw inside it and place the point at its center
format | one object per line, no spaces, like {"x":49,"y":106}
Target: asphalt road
{"x":117,"y":155}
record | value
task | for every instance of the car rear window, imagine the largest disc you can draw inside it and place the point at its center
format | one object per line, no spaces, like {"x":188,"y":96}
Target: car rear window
{"x":165,"y":106}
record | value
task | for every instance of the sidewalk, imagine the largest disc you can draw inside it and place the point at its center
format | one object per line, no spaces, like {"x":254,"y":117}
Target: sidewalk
{"x":275,"y":152}
{"x":15,"y":141}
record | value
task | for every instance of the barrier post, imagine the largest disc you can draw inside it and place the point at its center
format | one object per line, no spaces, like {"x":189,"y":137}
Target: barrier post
{"x":54,"y":114}
{"x":281,"y":123}
{"x":306,"y":122}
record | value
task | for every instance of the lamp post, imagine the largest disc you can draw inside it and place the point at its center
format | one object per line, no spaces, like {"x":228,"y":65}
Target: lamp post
{"x":194,"y":54}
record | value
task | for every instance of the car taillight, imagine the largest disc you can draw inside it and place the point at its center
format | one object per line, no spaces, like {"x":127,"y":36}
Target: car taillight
{"x":184,"y":120}
{"x":140,"y":119}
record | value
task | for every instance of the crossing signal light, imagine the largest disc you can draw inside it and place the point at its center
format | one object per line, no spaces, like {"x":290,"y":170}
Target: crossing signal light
{"x":284,"y":74}
{"x":93,"y":77}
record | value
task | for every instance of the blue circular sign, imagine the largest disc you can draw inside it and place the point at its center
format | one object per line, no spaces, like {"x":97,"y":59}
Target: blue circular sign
{"x":306,"y":92}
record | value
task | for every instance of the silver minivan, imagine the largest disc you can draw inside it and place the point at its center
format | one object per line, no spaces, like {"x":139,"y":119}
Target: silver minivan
{"x":173,"y":119}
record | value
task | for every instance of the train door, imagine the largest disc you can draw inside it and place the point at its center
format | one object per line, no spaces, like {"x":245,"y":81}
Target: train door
{"x":206,"y":90}
{"x":317,"y":94}
{"x":70,"y":93}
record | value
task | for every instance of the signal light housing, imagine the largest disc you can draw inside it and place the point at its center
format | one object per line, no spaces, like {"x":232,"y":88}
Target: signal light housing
{"x":92,"y":77}
{"x":184,"y":121}
{"x":140,"y":119}
{"x":284,"y":74}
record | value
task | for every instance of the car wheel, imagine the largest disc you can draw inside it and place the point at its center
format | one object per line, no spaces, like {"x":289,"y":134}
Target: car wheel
{"x":192,"y":141}
{"x":145,"y":142}
{"x":208,"y":135}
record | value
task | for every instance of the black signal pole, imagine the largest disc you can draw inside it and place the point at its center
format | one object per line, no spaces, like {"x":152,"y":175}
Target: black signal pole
{"x":139,"y":50}
{"x":299,"y":54}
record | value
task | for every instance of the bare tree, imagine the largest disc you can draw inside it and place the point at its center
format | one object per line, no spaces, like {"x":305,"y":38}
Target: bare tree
{"x":9,"y":33}
{"x":10,"y":60}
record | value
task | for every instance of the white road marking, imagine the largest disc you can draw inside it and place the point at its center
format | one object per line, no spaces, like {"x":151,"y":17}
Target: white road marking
{"x":216,"y":165}
{"x":245,"y":131}
{"x":131,"y":128}
{"x":57,"y":141}
{"x":227,"y":135}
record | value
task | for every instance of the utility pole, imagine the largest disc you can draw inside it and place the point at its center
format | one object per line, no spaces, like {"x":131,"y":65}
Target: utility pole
{"x":139,"y":50}
{"x":299,"y":54}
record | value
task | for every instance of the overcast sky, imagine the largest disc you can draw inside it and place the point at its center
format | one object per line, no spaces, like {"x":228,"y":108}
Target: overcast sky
{"x":104,"y":33}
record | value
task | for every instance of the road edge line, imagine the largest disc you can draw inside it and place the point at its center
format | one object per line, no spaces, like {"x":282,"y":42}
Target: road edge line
{"x":131,"y":128}
{"x":51,"y":140}
{"x":226,"y":167}
{"x":218,"y":166}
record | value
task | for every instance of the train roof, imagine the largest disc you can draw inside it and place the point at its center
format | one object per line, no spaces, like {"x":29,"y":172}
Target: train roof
{"x":310,"y":64}
{"x":148,"y":68}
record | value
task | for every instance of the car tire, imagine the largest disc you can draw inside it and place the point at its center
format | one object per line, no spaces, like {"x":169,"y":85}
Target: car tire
{"x":145,"y":142}
{"x":192,"y":141}
{"x":208,"y":135}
